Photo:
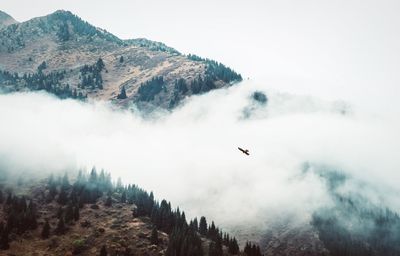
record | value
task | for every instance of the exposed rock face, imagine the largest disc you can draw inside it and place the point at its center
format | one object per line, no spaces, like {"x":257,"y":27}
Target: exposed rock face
{"x":65,"y":43}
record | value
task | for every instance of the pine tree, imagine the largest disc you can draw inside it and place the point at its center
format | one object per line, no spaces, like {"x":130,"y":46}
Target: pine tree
{"x":46,"y":230}
{"x":76,"y":213}
{"x":108,"y":202}
{"x":100,"y":64}
{"x":4,"y":241}
{"x":42,"y":66}
{"x":62,"y":197}
{"x":121,"y":59}
{"x":60,"y":226}
{"x":123,"y":197}
{"x":65,"y":182}
{"x":233,"y":246}
{"x":103,"y":251}
{"x":31,"y":216}
{"x":215,"y":248}
{"x":93,"y":176}
{"x":195,"y":225}
{"x":154,"y":236}
{"x":122,"y":94}
{"x":119,"y":183}
{"x":203,"y":226}
{"x":69,"y":214}
{"x":252,"y":250}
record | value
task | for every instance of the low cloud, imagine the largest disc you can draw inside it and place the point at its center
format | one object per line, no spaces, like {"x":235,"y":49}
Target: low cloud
{"x":190,"y":156}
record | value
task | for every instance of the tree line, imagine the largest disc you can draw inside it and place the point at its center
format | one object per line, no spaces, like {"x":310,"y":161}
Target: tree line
{"x":217,"y":71}
{"x":87,"y":189}
{"x":49,"y":82}
{"x":91,"y":75}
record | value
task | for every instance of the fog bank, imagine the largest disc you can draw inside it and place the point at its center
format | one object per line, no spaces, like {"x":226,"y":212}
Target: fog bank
{"x":190,"y":156}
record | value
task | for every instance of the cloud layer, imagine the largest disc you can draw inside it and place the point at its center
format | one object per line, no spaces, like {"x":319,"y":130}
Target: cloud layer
{"x":190,"y":156}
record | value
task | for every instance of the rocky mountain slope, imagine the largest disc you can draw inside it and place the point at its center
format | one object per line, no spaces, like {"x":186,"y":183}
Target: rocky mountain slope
{"x":6,"y":20}
{"x":67,"y":56}
{"x":92,"y":216}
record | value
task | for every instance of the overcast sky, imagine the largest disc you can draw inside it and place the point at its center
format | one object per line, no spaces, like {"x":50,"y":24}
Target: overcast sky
{"x":347,"y":49}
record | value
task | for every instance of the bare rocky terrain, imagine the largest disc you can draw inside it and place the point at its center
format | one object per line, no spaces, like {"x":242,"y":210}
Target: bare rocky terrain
{"x":96,"y":214}
{"x":65,"y":44}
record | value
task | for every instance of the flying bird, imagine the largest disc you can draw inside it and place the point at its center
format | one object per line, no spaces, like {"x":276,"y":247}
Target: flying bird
{"x":244,"y":151}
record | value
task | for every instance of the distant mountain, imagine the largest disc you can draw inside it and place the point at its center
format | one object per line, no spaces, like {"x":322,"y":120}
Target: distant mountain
{"x":351,"y":225}
{"x":6,"y":20}
{"x":69,"y":57}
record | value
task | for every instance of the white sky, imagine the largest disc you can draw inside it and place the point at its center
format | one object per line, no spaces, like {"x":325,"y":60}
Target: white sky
{"x":346,"y":49}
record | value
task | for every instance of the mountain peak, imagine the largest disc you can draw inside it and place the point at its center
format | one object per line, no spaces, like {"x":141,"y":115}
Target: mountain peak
{"x":63,"y":13}
{"x":6,"y":19}
{"x":101,"y":65}
{"x":66,"y":20}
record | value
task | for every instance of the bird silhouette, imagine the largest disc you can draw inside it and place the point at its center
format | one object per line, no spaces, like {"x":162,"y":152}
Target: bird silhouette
{"x":244,"y":151}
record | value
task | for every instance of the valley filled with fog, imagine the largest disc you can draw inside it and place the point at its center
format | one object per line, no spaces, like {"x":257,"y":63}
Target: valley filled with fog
{"x":190,"y":155}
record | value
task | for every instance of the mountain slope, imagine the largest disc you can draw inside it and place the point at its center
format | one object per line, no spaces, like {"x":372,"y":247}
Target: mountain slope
{"x":6,"y":20}
{"x":60,"y":52}
{"x":56,"y":217}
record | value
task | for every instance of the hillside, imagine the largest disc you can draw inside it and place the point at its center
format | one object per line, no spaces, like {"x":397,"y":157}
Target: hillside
{"x":64,"y":55}
{"x":6,"y":20}
{"x":56,"y":217}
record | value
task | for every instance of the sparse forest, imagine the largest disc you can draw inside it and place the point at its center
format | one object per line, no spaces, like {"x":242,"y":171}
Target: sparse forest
{"x":87,"y":190}
{"x":148,"y":90}
{"x":50,"y":82}
{"x":91,"y":76}
{"x":217,"y":71}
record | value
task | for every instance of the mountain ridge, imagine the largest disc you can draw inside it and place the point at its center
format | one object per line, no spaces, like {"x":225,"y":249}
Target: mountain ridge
{"x":58,"y":53}
{"x":6,"y":19}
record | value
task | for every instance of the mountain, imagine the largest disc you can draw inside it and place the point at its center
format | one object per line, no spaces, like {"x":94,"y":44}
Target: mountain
{"x":64,"y":55}
{"x":90,"y":215}
{"x":351,"y":225}
{"x":6,"y":20}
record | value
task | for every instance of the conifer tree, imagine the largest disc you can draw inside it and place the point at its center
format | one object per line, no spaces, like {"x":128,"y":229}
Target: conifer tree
{"x":196,"y":224}
{"x":233,"y":246}
{"x":215,"y":248}
{"x":122,"y":94}
{"x":4,"y":240}
{"x":203,"y":226}
{"x":69,"y":214}
{"x":65,"y":182}
{"x":46,"y":230}
{"x":154,"y":236}
{"x":60,"y":226}
{"x":76,"y":213}
{"x":108,"y":202}
{"x":100,"y":64}
{"x":123,"y":197}
{"x":62,"y":197}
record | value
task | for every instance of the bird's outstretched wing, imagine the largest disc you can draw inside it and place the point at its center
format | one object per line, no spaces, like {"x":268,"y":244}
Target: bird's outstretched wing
{"x":244,"y":151}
